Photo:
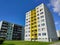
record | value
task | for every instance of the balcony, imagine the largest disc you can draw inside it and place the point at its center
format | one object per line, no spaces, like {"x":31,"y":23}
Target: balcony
{"x":4,"y":28}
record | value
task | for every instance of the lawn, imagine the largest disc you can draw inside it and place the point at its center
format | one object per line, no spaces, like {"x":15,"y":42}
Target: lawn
{"x":25,"y":43}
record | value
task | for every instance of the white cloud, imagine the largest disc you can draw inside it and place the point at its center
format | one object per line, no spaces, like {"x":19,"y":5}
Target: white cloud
{"x":56,"y":5}
{"x":57,"y":23}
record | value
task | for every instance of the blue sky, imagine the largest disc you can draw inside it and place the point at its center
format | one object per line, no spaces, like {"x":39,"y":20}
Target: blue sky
{"x":14,"y":10}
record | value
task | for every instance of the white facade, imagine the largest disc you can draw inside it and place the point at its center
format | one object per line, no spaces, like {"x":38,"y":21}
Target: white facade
{"x":42,"y":29}
{"x":58,"y":33}
{"x":27,"y":26}
{"x":46,"y":28}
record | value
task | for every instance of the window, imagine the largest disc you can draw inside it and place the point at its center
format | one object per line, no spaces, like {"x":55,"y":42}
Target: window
{"x":45,"y":38}
{"x":29,"y":24}
{"x":32,"y":23}
{"x":34,"y":19}
{"x":43,"y":24}
{"x":38,"y":17}
{"x":39,"y":34}
{"x":38,"y":25}
{"x":42,"y":16}
{"x":41,"y":9}
{"x":35,"y":30}
{"x":32,"y":27}
{"x":26,"y":19}
{"x":35,"y":34}
{"x":37,"y":11}
{"x":42,"y":20}
{"x":32,"y":35}
{"x":42,"y":38}
{"x":37,"y":14}
{"x":43,"y":29}
{"x":34,"y":16}
{"x":35,"y":26}
{"x":31,"y":17}
{"x":26,"y":31}
{"x":41,"y":13}
{"x":43,"y":34}
{"x":29,"y":35}
{"x":32,"y":30}
{"x":26,"y":35}
{"x":37,"y":7}
{"x":38,"y":29}
{"x":39,"y":38}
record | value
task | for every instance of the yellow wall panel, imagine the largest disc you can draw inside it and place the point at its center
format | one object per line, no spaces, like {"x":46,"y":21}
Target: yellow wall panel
{"x":33,"y":31}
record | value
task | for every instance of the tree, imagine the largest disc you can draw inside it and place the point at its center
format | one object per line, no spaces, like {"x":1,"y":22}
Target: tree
{"x":1,"y":40}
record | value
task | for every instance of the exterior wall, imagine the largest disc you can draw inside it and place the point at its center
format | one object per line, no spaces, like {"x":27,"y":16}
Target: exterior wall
{"x":52,"y":36}
{"x":45,"y":28}
{"x":27,"y":26}
{"x":41,"y":20}
{"x":58,"y":33}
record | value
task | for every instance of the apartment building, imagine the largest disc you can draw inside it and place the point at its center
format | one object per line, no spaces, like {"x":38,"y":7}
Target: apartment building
{"x":18,"y":32}
{"x":11,"y":31}
{"x":39,"y":25}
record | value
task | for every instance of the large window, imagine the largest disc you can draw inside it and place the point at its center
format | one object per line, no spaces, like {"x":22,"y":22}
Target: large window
{"x":41,"y":13}
{"x":25,"y":31}
{"x":43,"y":29}
{"x":41,"y":9}
{"x":26,"y":35}
{"x":43,"y":34}
{"x":38,"y":25}
{"x":39,"y":29}
{"x":35,"y":26}
{"x":32,"y":23}
{"x":37,"y":11}
{"x":26,"y":19}
{"x":43,"y":24}
{"x":42,"y":20}
{"x":38,"y":17}
{"x":37,"y":14}
{"x":42,"y":16}
{"x":39,"y":34}
{"x":39,"y":38}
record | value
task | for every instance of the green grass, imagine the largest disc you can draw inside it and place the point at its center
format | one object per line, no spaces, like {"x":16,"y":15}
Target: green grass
{"x":25,"y":43}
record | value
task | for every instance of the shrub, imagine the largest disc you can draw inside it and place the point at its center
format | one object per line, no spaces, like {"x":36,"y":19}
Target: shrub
{"x":1,"y":40}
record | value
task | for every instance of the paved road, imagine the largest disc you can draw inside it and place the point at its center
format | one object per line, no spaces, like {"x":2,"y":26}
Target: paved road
{"x":57,"y":43}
